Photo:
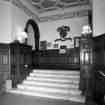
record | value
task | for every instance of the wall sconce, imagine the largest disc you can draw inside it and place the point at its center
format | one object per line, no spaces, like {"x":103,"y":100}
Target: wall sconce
{"x":86,"y":30}
{"x":22,"y":37}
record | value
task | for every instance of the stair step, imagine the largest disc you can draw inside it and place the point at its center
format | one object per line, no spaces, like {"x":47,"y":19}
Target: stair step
{"x":49,"y":89}
{"x":57,"y":71}
{"x":56,"y":84}
{"x":50,"y":95}
{"x":75,"y":82}
{"x":52,"y":84}
{"x":51,"y":79}
{"x":54,"y":75}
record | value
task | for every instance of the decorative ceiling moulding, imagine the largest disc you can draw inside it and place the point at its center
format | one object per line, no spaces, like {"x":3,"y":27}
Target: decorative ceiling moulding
{"x":44,"y":6}
{"x":68,"y":15}
{"x":24,"y":8}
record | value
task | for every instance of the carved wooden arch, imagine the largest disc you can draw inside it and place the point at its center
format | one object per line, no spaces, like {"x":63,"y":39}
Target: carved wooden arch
{"x":36,"y":32}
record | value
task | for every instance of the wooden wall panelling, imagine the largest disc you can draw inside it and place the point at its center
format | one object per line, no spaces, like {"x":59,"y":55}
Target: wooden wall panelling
{"x":86,"y":72}
{"x":4,"y":65}
{"x":1,"y":77}
{"x":20,"y":62}
{"x":99,"y":65}
{"x":76,"y":59}
{"x":54,"y":60}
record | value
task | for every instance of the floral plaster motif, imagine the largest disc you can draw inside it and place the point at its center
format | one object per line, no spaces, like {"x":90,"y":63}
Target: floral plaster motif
{"x":20,"y":5}
{"x":55,"y":17}
{"x":68,"y":15}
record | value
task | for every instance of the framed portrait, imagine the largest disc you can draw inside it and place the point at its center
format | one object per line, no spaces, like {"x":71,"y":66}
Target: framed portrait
{"x":48,"y":44}
{"x":55,"y":46}
{"x":43,"y":45}
{"x":62,"y":49}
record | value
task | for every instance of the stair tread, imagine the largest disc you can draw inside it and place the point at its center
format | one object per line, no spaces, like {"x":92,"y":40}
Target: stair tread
{"x":53,"y":78}
{"x":53,"y":84}
{"x":67,"y":96}
{"x":60,"y":96}
{"x":49,"y":89}
{"x":57,"y":71}
{"x":54,"y":75}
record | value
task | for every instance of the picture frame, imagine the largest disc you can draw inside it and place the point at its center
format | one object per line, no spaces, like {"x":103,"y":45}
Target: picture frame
{"x":62,"y":49}
{"x":43,"y":45}
{"x":76,"y":42}
{"x":55,"y":46}
{"x":48,"y":44}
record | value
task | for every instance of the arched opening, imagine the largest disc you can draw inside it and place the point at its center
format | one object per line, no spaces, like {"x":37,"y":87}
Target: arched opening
{"x":32,"y":28}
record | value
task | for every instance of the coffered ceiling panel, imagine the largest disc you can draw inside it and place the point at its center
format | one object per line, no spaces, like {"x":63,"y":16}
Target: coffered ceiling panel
{"x":52,"y":5}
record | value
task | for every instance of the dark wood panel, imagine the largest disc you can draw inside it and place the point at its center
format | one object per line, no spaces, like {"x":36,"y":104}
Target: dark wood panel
{"x":86,"y":57}
{"x":21,"y":64}
{"x":53,"y":59}
{"x":4,"y":64}
{"x":99,"y":65}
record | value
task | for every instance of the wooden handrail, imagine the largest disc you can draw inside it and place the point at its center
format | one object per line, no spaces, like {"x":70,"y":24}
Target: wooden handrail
{"x":102,"y":73}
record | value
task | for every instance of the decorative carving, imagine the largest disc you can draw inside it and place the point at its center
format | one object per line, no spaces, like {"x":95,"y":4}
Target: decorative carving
{"x":55,"y":17}
{"x":68,"y":15}
{"x":20,"y":5}
{"x":63,"y":33}
{"x":44,"y":6}
{"x":63,"y":39}
{"x":43,"y":45}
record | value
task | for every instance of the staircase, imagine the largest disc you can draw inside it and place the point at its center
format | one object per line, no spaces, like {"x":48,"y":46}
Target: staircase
{"x":54,"y":84}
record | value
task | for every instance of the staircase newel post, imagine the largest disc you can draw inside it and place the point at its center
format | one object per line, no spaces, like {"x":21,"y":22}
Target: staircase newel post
{"x":86,"y":60}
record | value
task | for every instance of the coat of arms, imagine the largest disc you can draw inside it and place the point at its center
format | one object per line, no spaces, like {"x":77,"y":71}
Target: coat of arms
{"x":63,"y":33}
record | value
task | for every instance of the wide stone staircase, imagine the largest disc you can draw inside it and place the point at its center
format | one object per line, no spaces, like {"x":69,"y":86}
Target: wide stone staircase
{"x":56,"y":84}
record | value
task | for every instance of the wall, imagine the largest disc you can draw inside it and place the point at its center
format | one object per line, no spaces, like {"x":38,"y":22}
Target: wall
{"x":5,"y":22}
{"x":48,"y":30}
{"x":98,"y":17}
{"x":31,"y":39}
{"x":12,"y":21}
{"x":19,"y":20}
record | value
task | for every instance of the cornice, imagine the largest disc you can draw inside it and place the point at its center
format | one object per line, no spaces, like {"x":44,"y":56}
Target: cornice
{"x":75,"y":14}
{"x":20,"y":5}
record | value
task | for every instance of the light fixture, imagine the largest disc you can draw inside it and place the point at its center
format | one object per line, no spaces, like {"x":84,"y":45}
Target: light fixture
{"x":21,"y":37}
{"x":86,"y":30}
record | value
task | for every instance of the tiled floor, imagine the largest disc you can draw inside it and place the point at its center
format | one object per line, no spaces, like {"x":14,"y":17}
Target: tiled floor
{"x":12,"y":99}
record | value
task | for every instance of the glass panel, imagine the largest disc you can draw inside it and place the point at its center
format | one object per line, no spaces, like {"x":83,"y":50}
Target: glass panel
{"x":5,"y":59}
{"x":75,"y":59}
{"x":87,"y":58}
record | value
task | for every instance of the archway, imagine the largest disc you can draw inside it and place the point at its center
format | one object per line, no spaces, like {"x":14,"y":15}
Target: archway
{"x":36,"y":32}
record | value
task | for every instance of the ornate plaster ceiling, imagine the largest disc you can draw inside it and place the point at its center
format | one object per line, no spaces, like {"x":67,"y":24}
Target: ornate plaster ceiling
{"x":54,"y":5}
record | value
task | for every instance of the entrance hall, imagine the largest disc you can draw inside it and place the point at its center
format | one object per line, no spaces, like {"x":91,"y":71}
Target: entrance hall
{"x":52,"y":52}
